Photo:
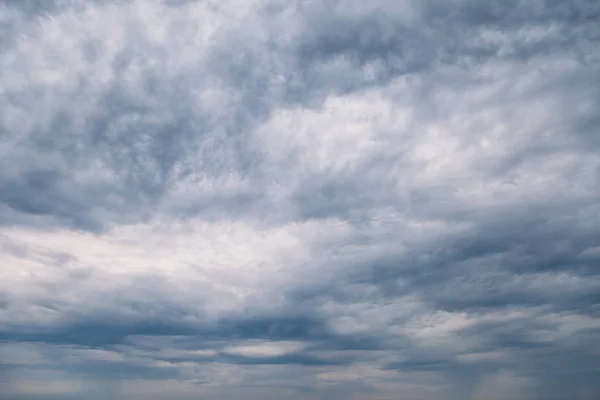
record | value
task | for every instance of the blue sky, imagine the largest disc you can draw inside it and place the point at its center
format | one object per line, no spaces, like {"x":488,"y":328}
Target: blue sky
{"x":311,"y":199}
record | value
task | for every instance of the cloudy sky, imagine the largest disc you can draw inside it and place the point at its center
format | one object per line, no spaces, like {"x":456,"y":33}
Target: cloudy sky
{"x":300,"y":199}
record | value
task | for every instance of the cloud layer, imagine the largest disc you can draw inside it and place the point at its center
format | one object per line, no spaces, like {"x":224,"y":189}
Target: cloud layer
{"x":299,"y":199}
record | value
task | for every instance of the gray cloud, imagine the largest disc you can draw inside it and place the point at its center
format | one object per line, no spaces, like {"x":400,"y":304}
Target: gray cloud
{"x":308,"y":199}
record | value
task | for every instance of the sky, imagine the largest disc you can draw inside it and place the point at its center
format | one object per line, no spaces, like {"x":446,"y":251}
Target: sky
{"x":300,"y":199}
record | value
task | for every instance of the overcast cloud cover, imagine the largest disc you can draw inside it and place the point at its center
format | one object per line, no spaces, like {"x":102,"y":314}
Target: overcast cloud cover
{"x":300,"y":199}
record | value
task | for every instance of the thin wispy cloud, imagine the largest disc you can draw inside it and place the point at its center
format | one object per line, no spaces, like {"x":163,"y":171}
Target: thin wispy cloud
{"x":299,"y":199}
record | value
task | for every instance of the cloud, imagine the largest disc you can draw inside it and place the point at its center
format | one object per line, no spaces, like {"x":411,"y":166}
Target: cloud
{"x":309,"y":199}
{"x":264,"y":349}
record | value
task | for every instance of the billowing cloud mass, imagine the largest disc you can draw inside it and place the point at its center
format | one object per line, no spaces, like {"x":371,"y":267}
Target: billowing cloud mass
{"x":300,"y":199}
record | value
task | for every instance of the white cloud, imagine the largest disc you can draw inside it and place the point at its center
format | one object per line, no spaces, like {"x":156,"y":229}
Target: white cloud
{"x":258,"y":350}
{"x":355,"y":373}
{"x":225,"y":267}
